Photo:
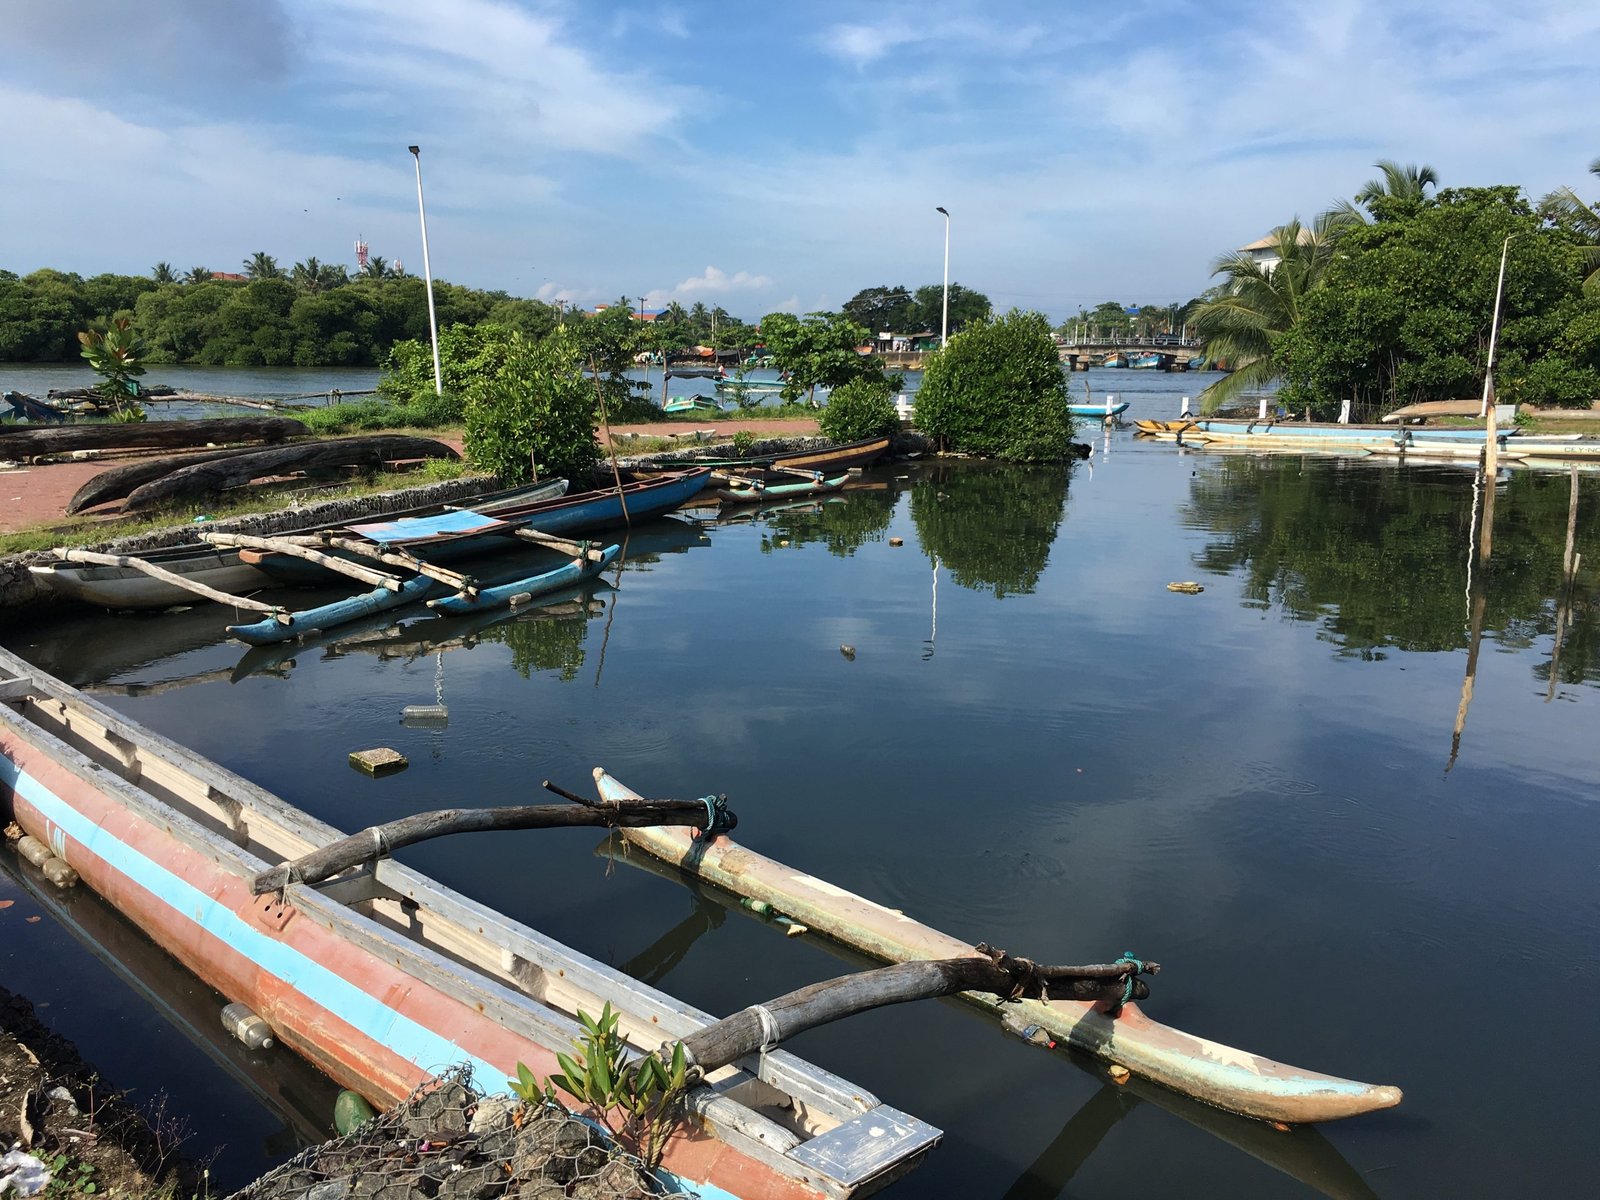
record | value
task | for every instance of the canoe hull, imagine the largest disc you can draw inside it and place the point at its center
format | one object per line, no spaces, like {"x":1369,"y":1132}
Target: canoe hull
{"x":1097,"y":410}
{"x":346,"y":987}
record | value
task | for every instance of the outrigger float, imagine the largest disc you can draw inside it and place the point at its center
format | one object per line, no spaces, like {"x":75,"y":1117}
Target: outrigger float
{"x":1123,"y":1035}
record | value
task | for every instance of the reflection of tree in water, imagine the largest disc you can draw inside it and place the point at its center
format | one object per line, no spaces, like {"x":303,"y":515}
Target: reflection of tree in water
{"x":992,"y":528}
{"x":843,"y":523}
{"x":543,"y":645}
{"x":1379,"y":556}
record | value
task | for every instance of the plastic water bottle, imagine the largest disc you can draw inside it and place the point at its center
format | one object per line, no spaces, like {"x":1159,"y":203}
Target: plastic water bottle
{"x":250,"y":1029}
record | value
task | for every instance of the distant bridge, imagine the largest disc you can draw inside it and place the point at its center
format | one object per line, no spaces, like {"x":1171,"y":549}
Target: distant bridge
{"x":1176,"y":352}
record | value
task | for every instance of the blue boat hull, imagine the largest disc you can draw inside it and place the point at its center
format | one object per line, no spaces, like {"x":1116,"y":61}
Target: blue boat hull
{"x":1097,"y":410}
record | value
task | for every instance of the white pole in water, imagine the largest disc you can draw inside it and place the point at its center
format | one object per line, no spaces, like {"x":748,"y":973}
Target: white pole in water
{"x":1183,"y":409}
{"x":944,"y":320}
{"x":1109,"y":399}
{"x":1494,"y":330}
{"x":427,"y":277}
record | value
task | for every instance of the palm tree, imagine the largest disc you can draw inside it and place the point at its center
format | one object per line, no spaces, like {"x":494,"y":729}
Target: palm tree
{"x":1563,"y":208}
{"x":307,"y":276}
{"x":332,"y":275}
{"x":1409,"y":182}
{"x":1259,"y":301}
{"x":377,"y":267}
{"x":163,"y":273}
{"x":262,"y":265}
{"x":198,"y":275}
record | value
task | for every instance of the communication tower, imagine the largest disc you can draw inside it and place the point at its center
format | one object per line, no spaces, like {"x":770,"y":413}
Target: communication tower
{"x":361,"y":254}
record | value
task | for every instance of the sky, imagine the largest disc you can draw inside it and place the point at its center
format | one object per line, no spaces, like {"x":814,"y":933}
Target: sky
{"x":763,"y":157}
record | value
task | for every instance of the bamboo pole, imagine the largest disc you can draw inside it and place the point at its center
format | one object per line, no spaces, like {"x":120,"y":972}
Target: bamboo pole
{"x":611,"y":445}
{"x":293,"y":549}
{"x":93,"y":557}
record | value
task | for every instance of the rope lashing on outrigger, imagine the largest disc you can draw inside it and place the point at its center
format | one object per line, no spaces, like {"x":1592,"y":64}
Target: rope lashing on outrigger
{"x":1026,"y":975}
{"x":716,"y":818}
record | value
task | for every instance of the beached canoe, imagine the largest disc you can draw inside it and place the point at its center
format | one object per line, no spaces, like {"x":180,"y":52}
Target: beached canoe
{"x":134,"y":585}
{"x":1219,"y":1075}
{"x":381,"y":976}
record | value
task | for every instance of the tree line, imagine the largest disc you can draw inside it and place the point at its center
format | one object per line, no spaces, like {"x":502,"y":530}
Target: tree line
{"x":1388,"y":299}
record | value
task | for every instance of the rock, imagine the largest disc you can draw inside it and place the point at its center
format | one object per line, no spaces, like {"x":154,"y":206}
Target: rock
{"x":493,"y":1112}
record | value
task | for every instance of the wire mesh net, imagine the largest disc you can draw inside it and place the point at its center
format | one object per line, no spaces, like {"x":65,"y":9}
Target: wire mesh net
{"x":446,"y":1141}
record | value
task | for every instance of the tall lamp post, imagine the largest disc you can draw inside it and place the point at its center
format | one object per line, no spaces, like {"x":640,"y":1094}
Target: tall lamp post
{"x":427,"y":277}
{"x":944,"y":319}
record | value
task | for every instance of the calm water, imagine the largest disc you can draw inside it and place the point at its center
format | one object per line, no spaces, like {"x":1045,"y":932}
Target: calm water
{"x":1039,"y":746}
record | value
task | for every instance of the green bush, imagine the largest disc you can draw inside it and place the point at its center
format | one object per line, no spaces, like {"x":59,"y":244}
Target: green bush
{"x":538,"y":406}
{"x":862,"y":408}
{"x":998,"y":390}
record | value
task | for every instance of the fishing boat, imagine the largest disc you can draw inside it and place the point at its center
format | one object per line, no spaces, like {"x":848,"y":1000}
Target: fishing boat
{"x":702,"y":405}
{"x":39,"y":412}
{"x":842,"y":457}
{"x":1115,"y":359}
{"x":1145,"y":362}
{"x":1218,"y":1075}
{"x":382,"y":976}
{"x":454,"y":536}
{"x":1104,"y":411}
{"x":447,"y":591}
{"x":735,"y":386}
{"x":143,"y":579}
{"x":778,"y":488}
{"x":1295,"y":435}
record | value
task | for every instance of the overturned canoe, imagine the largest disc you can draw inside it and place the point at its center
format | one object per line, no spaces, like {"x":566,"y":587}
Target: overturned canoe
{"x":1219,"y":1075}
{"x":31,"y":440}
{"x":383,"y":976}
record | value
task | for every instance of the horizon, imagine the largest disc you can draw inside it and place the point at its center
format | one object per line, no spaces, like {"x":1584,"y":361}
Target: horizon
{"x":763,"y":160}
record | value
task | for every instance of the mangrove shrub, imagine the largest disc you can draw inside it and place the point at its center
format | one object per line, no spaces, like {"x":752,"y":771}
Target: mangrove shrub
{"x":998,"y":390}
{"x":861,"y":408}
{"x":535,"y":407}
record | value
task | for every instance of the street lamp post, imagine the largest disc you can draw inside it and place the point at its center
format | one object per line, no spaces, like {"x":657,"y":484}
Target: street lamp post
{"x":427,"y":277}
{"x":944,"y":320}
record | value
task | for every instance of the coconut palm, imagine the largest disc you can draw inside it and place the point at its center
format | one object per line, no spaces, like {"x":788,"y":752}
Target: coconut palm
{"x":1409,"y":182}
{"x":198,"y":275}
{"x":377,"y":267}
{"x":262,"y":265}
{"x":1259,"y":301}
{"x":307,"y":276}
{"x":163,"y":273}
{"x":1563,"y":209}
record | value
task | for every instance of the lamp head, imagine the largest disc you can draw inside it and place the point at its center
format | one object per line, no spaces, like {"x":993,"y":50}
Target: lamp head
{"x":942,"y":209}
{"x":415,"y":150}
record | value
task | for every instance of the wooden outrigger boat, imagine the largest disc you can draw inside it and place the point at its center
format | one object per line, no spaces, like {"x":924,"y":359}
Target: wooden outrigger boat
{"x":700,"y":405}
{"x":447,"y":591}
{"x":782,"y":487}
{"x":1104,"y":411}
{"x":1204,"y":1070}
{"x":437,"y":540}
{"x":145,"y":579}
{"x":382,"y":976}
{"x":828,"y":459}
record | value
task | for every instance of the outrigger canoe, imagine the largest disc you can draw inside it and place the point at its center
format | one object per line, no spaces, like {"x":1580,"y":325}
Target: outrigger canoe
{"x":1204,"y":1070}
{"x":134,"y":584}
{"x":1098,"y":410}
{"x":828,"y":459}
{"x":382,"y":976}
{"x":757,"y":491}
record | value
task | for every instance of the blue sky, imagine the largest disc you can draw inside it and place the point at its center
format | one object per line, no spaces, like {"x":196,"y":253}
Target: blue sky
{"x":762,"y":156}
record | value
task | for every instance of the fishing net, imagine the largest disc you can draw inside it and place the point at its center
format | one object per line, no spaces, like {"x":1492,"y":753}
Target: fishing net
{"x":448,"y":1142}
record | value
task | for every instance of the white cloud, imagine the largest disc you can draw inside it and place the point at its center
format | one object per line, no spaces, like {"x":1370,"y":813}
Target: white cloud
{"x":716,"y":281}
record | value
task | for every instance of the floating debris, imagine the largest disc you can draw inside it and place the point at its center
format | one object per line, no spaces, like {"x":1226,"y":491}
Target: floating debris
{"x":378,"y":761}
{"x":1188,"y":588}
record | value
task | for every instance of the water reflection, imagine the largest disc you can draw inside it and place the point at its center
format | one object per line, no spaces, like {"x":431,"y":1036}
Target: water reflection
{"x":992,"y":528}
{"x":1332,"y":541}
